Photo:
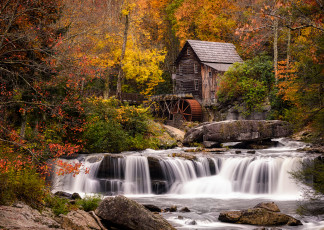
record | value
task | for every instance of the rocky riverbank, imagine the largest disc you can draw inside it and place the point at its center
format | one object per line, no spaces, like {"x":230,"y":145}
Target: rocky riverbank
{"x":122,"y":213}
{"x":113,"y":213}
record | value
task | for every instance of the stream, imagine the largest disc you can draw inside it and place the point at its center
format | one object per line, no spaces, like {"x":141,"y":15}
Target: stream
{"x":205,"y":182}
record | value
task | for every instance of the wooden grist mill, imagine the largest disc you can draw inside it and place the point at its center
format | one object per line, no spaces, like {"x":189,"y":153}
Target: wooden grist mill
{"x":199,"y":67}
{"x":177,"y":107}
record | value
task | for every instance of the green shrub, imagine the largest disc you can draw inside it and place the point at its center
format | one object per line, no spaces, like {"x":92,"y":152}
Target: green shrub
{"x":133,"y":119}
{"x":249,"y":82}
{"x":24,"y":185}
{"x":89,"y":203}
{"x":57,"y":204}
{"x":105,"y":136}
{"x":113,"y":127}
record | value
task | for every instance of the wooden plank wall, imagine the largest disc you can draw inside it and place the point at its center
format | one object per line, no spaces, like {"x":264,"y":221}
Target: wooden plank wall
{"x":209,"y":84}
{"x":187,"y":75}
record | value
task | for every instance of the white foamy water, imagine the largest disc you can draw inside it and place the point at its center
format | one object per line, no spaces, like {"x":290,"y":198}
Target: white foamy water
{"x":207,"y":185}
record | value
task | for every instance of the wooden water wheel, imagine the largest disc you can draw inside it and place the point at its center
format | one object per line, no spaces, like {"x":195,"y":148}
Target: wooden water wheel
{"x":190,"y":109}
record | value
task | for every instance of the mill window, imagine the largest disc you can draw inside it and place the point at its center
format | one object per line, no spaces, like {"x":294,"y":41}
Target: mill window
{"x":210,"y":74}
{"x":196,"y":82}
{"x":180,"y":69}
{"x":195,"y":68}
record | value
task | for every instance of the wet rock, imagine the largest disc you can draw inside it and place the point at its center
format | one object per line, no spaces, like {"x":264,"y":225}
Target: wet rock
{"x":75,"y":196}
{"x":180,"y":217}
{"x":173,"y":208}
{"x":94,"y":159}
{"x":184,"y":155}
{"x":212,"y":166}
{"x":159,"y":187}
{"x":108,"y":165}
{"x":152,"y":208}
{"x":123,"y":213}
{"x":190,"y":222}
{"x":266,"y":214}
{"x":185,"y":209}
{"x":79,"y":220}
{"x":251,"y":151}
{"x":270,"y":206}
{"x":155,"y":168}
{"x":230,"y":216}
{"x":238,"y":152}
{"x":63,"y":194}
{"x":238,"y":130}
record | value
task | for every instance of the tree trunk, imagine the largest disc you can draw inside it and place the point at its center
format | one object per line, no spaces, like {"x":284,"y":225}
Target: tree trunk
{"x":288,"y":43}
{"x":23,"y":124}
{"x":121,"y":73}
{"x":275,"y":48}
{"x":106,"y":90}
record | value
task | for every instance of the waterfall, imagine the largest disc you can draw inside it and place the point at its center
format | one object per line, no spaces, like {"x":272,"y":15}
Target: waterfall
{"x":82,"y":183}
{"x":209,"y":175}
{"x":137,"y":175}
{"x":248,"y":175}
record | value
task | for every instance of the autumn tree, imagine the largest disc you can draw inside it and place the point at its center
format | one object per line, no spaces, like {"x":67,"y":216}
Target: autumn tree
{"x":38,"y":113}
{"x":205,"y":20}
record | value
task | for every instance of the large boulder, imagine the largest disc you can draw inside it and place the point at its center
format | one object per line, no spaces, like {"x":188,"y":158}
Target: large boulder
{"x":264,"y":214}
{"x":238,"y":130}
{"x":79,"y":220}
{"x":124,"y":213}
{"x":174,"y":132}
{"x":22,"y":216}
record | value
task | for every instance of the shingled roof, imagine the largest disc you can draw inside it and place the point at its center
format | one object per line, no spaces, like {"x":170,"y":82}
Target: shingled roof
{"x":214,"y":52}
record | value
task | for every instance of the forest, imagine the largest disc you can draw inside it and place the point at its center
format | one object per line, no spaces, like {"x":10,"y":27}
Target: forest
{"x":64,"y":65}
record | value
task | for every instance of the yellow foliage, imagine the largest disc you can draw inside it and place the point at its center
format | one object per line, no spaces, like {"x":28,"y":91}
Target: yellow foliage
{"x":143,"y":66}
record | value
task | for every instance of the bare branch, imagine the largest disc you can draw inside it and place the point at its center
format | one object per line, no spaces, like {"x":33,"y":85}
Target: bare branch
{"x":25,"y":102}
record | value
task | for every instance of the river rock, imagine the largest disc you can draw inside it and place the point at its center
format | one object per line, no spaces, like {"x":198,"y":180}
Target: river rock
{"x":63,"y":194}
{"x":79,"y":220}
{"x":195,"y":134}
{"x":185,"y":209}
{"x":124,"y":213}
{"x":24,"y":217}
{"x":152,"y":208}
{"x":238,"y":130}
{"x":191,"y":222}
{"x":270,"y":206}
{"x":75,"y":196}
{"x":174,"y":132}
{"x":266,"y":214}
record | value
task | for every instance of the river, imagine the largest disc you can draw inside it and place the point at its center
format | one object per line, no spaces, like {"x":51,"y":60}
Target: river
{"x":206,"y":183}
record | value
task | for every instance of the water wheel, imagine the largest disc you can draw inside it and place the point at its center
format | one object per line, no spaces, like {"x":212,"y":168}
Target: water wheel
{"x":190,"y":109}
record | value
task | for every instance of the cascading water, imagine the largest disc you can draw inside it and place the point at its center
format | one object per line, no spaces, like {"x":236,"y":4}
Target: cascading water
{"x":113,"y":175}
{"x":217,"y":182}
{"x":212,"y":175}
{"x":249,"y":175}
{"x":137,"y":175}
